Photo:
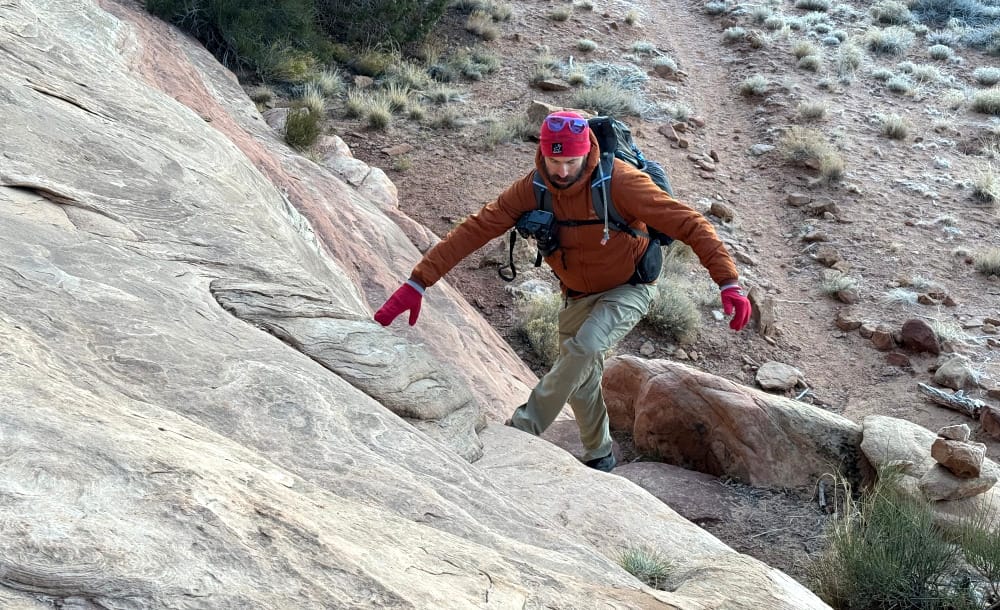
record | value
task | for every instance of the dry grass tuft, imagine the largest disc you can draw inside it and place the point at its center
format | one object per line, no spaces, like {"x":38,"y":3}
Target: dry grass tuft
{"x":894,"y":126}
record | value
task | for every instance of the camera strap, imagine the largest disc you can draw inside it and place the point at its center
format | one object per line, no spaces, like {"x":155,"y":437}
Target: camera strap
{"x":510,"y":259}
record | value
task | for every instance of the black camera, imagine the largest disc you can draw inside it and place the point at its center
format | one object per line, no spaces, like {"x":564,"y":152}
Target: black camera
{"x":541,"y":226}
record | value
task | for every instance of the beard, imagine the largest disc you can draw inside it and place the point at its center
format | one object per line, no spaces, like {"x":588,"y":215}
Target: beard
{"x":567,"y":181}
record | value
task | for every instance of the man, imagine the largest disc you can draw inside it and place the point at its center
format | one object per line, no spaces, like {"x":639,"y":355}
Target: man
{"x":594,"y":266}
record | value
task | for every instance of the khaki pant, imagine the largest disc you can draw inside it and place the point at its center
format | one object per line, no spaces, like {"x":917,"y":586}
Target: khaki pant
{"x":588,"y":327}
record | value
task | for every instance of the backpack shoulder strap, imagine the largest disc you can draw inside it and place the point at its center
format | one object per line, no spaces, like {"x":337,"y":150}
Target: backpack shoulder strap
{"x":600,"y":188}
{"x":543,"y":198}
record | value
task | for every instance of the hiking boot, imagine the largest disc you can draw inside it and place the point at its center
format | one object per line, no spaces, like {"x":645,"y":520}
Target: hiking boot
{"x":604,"y":464}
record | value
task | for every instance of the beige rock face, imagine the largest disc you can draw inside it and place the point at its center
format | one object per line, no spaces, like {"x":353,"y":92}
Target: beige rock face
{"x":706,"y":423}
{"x":195,"y":398}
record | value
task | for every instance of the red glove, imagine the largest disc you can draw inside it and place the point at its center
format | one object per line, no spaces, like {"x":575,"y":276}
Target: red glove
{"x":733,"y":302}
{"x":407,"y":297}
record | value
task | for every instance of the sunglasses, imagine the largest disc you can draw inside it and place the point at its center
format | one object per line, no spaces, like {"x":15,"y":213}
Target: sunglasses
{"x":557,"y":123}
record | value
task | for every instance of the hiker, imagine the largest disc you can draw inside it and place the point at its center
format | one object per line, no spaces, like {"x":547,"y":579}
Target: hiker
{"x":596,"y":268}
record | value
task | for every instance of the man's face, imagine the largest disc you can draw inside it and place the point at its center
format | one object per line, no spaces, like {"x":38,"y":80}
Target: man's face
{"x":564,"y":171}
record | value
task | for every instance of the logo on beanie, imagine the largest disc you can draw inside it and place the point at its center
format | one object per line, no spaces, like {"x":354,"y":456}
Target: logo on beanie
{"x":557,"y":148}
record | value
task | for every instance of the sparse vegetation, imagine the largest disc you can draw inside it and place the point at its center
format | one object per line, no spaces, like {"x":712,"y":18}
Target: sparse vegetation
{"x":812,"y":63}
{"x":807,"y":147}
{"x":987,"y":102}
{"x":899,"y":84}
{"x":665,"y":64}
{"x":986,"y":187}
{"x":641,"y":47}
{"x":631,"y":17}
{"x":849,"y":59}
{"x":812,"y":110}
{"x":953,"y":99}
{"x":892,"y":40}
{"x":948,"y":331}
{"x":560,"y":14}
{"x":813,"y":5}
{"x":940,"y":52}
{"x":673,"y":312}
{"x":538,"y":321}
{"x":585,"y":45}
{"x":647,"y":564}
{"x":716,"y":7}
{"x":803,"y":48}
{"x":924,"y":73}
{"x":894,"y":126}
{"x":734,"y":34}
{"x":859,"y":569}
{"x":890,"y":12}
{"x":987,"y":261}
{"x":986,"y":76}
{"x":302,"y":127}
{"x":835,"y":282}
{"x":515,"y":129}
{"x":607,"y":98}
{"x":481,"y":24}
{"x":753,"y":85}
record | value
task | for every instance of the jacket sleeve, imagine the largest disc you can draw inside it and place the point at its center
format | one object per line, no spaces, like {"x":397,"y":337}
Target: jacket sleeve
{"x":638,"y":198}
{"x":491,"y":221}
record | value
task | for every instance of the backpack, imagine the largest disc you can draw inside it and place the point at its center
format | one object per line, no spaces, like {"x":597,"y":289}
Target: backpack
{"x":614,"y":140}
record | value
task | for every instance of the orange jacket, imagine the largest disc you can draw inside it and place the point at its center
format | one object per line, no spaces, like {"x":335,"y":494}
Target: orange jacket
{"x":581,"y":262}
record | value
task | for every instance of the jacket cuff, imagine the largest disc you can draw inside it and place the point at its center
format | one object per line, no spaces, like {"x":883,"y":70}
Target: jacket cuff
{"x":416,"y":285}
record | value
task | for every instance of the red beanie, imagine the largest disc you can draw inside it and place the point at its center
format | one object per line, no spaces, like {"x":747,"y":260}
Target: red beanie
{"x":563,"y":142}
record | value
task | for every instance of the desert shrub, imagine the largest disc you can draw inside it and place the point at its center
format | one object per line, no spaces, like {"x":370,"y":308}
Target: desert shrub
{"x":397,"y":96}
{"x":586,"y":45}
{"x":830,"y":41}
{"x":378,"y":111}
{"x":808,"y":147}
{"x":813,"y":5}
{"x":953,"y":99}
{"x":538,"y":321}
{"x":986,"y":186}
{"x":883,"y":74}
{"x":802,"y":48}
{"x":442,"y":94}
{"x":899,"y":296}
{"x":943,"y":12}
{"x":665,"y":64}
{"x":753,"y":85}
{"x":480,"y":23}
{"x":942,"y":37}
{"x":981,"y":549}
{"x":987,"y":102}
{"x":673,"y":312}
{"x":893,"y":40}
{"x":607,"y":98}
{"x":302,"y":127}
{"x":774,"y":23}
{"x":834,"y":282}
{"x":578,"y":78}
{"x":584,"y":5}
{"x":446,"y":118}
{"x":812,"y":110}
{"x":923,"y":73}
{"x":849,"y":59}
{"x":631,"y":17}
{"x":261,"y":94}
{"x":760,"y":13}
{"x":519,"y":128}
{"x":940,"y":52}
{"x":899,"y":84}
{"x":275,"y":40}
{"x":716,"y":8}
{"x":894,"y":126}
{"x":986,"y":75}
{"x":647,"y":564}
{"x":372,"y":62}
{"x":408,"y":74}
{"x":378,"y":21}
{"x":678,"y":111}
{"x":734,"y":34}
{"x":948,"y":331}
{"x":641,"y":47}
{"x":987,"y":261}
{"x":560,"y":14}
{"x":312,"y":98}
{"x":811,"y":63}
{"x":890,"y":12}
{"x":887,"y":552}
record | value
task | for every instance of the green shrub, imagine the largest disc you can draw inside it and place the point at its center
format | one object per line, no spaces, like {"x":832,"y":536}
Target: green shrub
{"x":811,"y":63}
{"x":647,"y":564}
{"x":538,"y":321}
{"x":392,"y":22}
{"x":302,"y":128}
{"x":987,"y":102}
{"x":673,"y":312}
{"x":585,"y":45}
{"x":888,"y":553}
{"x":734,"y":34}
{"x":899,"y":84}
{"x":274,"y":40}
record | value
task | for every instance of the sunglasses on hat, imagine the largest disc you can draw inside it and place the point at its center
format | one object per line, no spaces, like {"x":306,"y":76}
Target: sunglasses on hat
{"x":558,"y":123}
